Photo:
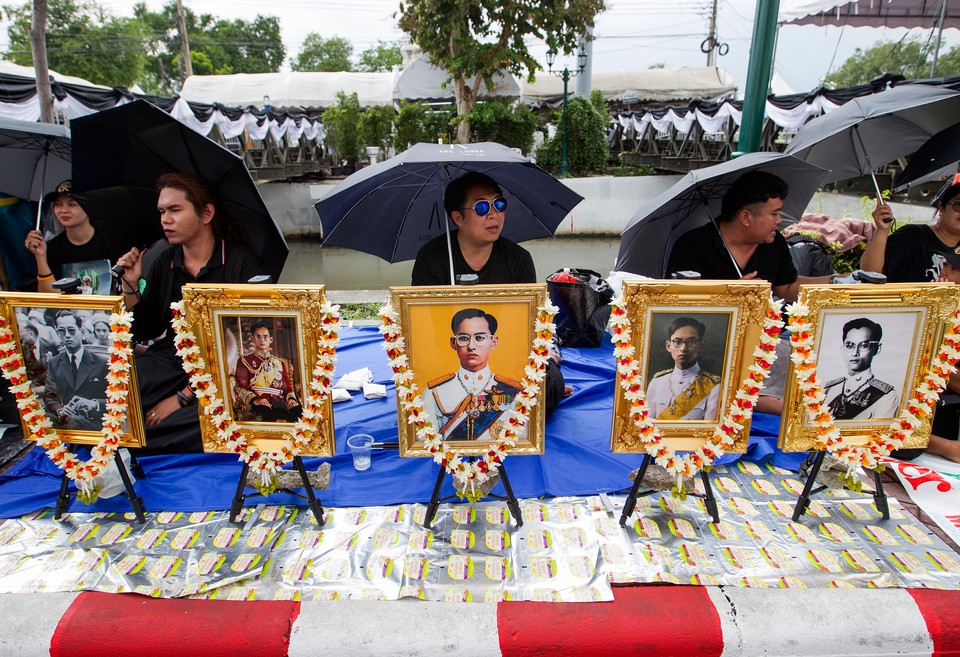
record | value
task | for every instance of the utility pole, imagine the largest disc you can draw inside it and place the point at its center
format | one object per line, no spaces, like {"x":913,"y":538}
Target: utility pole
{"x":186,"y":66}
{"x":758,"y":75}
{"x":38,"y":48}
{"x":712,"y":39}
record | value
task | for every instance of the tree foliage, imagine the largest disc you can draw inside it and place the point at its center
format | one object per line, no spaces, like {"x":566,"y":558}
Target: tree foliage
{"x":340,"y":123}
{"x":375,"y":127}
{"x":319,"y":54}
{"x":509,"y":124}
{"x":82,"y":40}
{"x":382,"y":57}
{"x":587,"y":149}
{"x":419,"y":122}
{"x":909,"y":57}
{"x":475,"y":39}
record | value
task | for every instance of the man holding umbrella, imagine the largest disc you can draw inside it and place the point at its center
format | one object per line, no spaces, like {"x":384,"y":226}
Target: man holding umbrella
{"x":480,"y":254}
{"x":193,"y":224}
{"x":914,"y":253}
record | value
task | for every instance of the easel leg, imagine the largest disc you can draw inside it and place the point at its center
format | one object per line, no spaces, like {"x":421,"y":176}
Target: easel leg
{"x":708,"y":499}
{"x":237,"y":504}
{"x":804,"y":500}
{"x":880,"y":497}
{"x":135,"y":501}
{"x":63,"y":499}
{"x":631,"y":502}
{"x":512,"y":503}
{"x":314,"y":502}
{"x":434,"y":499}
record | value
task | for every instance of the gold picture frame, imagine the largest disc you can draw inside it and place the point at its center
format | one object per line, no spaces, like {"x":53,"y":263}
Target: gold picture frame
{"x":911,"y":318}
{"x":425,"y":315}
{"x":53,"y":325}
{"x":226,"y":320}
{"x":693,"y":409}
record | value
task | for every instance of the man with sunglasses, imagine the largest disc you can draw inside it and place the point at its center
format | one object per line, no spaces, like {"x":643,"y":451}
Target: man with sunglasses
{"x":75,"y":392}
{"x":860,"y":395}
{"x":469,"y":404}
{"x":684,"y":392}
{"x":914,"y":252}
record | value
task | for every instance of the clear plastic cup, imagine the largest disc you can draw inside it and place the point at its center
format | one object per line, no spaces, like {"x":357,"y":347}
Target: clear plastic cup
{"x":360,"y":446}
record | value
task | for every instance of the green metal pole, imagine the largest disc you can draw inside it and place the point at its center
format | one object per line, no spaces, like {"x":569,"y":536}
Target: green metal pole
{"x":758,"y":74}
{"x":564,"y":162}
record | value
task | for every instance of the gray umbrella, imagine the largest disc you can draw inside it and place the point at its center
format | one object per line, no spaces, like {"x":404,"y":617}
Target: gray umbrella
{"x":695,"y":200}
{"x":393,"y":208}
{"x":34,"y":157}
{"x":871,"y":131}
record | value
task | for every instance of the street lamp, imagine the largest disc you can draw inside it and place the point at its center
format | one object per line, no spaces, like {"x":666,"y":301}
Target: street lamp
{"x":566,"y":75}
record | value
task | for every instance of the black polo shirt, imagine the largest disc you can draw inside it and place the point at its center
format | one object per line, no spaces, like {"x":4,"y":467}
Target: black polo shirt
{"x":229,"y":263}
{"x":703,"y":250}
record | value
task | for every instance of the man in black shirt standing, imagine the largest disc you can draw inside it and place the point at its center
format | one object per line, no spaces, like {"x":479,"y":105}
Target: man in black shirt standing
{"x":189,"y":216}
{"x":481,"y":256}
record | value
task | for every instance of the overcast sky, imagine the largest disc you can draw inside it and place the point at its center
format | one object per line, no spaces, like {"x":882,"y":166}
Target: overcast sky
{"x":631,"y":34}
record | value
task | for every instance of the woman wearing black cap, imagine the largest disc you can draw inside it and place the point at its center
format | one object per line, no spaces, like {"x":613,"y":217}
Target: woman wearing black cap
{"x":77,"y":243}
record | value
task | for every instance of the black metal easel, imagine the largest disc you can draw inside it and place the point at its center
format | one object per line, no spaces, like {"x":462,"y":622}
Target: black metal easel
{"x":813,"y":467}
{"x":63,"y":499}
{"x":708,"y":498}
{"x":512,"y":503}
{"x":312,"y":500}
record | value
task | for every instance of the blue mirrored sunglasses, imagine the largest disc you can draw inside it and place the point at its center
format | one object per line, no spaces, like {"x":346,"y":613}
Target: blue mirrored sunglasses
{"x":482,"y":208}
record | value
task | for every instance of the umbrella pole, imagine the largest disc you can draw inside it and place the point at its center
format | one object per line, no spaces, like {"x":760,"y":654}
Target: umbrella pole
{"x":43,"y":185}
{"x":446,"y":226}
{"x":873,"y":177}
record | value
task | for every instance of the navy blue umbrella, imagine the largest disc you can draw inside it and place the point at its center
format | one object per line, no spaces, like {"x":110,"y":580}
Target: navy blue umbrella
{"x":393,"y":208}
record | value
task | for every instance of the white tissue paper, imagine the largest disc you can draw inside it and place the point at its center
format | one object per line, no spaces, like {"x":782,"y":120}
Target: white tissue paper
{"x":374,"y":390}
{"x":340,"y":395}
{"x":354,"y":380}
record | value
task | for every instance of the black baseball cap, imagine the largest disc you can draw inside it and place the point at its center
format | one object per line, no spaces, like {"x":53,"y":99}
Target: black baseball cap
{"x":63,"y":189}
{"x":950,"y":189}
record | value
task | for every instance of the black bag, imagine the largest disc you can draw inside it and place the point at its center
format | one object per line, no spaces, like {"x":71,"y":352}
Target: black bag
{"x":584,"y":306}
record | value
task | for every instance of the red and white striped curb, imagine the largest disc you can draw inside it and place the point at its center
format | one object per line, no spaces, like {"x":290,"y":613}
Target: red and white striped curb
{"x":663,"y":620}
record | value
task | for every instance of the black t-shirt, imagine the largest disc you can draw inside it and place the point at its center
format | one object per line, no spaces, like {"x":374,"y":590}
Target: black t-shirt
{"x":508,"y":264}
{"x":913,"y":255}
{"x":702,"y":250}
{"x":229,"y":263}
{"x":62,"y":252}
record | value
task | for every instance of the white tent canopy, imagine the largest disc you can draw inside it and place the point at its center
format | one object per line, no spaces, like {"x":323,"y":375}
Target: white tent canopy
{"x":656,"y":84}
{"x":421,"y":80}
{"x":289,"y":90}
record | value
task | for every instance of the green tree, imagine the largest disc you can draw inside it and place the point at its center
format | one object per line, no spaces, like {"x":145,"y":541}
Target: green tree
{"x":510,"y":124}
{"x":907,"y":58}
{"x":82,"y":40}
{"x":381,"y":57}
{"x":419,"y":122}
{"x":475,"y":39}
{"x":587,"y":149}
{"x":340,"y":123}
{"x":376,"y":127}
{"x":599,"y":103}
{"x":319,"y":54}
{"x":217,"y":47}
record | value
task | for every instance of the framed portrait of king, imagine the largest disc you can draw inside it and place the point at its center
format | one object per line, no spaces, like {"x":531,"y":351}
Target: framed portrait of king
{"x":873,"y":344}
{"x":468,"y":347}
{"x":64,"y":341}
{"x":259,"y":343}
{"x":694,"y":341}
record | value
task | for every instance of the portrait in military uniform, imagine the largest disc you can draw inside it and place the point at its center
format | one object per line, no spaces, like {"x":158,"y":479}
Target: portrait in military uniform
{"x":870,"y":353}
{"x":471,"y":403}
{"x":686,"y":384}
{"x":261,"y":357}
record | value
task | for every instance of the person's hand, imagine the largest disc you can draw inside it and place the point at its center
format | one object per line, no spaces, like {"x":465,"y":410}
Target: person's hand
{"x":883,"y":216}
{"x":291,"y":403}
{"x":162,"y":411}
{"x":132,"y":263}
{"x":262,"y":401}
{"x":35,"y":244}
{"x":749,"y":277}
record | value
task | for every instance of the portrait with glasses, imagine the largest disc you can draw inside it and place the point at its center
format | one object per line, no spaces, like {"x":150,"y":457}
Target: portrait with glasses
{"x":468,"y":351}
{"x":64,"y":342}
{"x":686,"y":384}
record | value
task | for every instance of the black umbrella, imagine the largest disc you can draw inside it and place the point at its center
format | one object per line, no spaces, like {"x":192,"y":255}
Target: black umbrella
{"x":119,"y":153}
{"x":936,"y":158}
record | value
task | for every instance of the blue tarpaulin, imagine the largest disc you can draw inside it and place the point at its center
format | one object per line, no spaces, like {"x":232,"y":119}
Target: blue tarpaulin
{"x":577,"y":459}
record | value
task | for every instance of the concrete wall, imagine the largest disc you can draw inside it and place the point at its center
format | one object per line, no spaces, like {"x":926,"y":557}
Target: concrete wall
{"x":609,"y":203}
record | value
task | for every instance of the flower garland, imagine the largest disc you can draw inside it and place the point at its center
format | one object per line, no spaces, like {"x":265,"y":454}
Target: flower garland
{"x":265,"y":464}
{"x":83,"y":473}
{"x":739,"y":412}
{"x":920,"y":406}
{"x":470,"y":474}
